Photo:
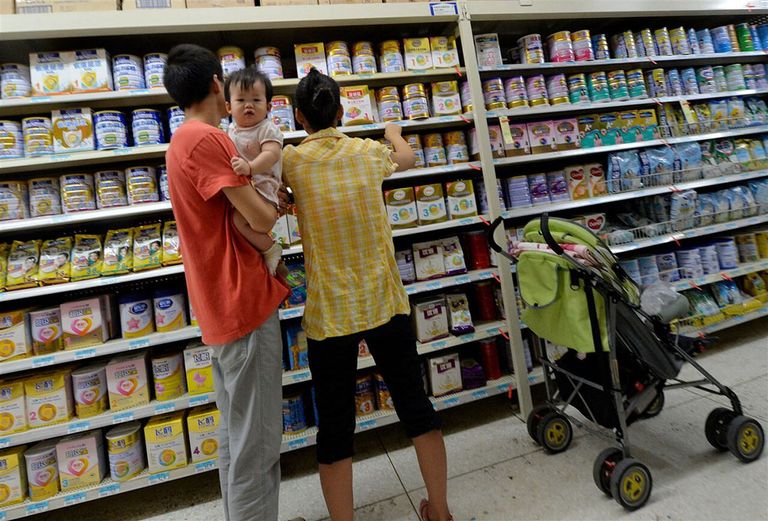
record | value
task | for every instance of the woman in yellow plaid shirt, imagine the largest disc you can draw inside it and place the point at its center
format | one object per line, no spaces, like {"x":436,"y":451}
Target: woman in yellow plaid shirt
{"x":354,"y":292}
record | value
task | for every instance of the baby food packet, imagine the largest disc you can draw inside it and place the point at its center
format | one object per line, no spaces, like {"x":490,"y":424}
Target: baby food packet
{"x":23,"y":265}
{"x":726,"y":293}
{"x":171,"y":247}
{"x":118,"y":252}
{"x":705,"y":210}
{"x":55,"y":262}
{"x":688,"y":162}
{"x":682,"y":209}
{"x":659,"y":164}
{"x":754,"y":285}
{"x":453,"y":256}
{"x":86,"y":257}
{"x":759,"y":191}
{"x":722,"y":206}
{"x":701,"y":303}
{"x":297,"y":284}
{"x":737,"y":113}
{"x":459,"y":318}
{"x":147,"y":247}
{"x":724,"y":152}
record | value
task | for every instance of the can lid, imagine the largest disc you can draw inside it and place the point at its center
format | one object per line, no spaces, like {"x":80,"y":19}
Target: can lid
{"x":123,"y":430}
{"x":129,"y":299}
{"x":168,"y":292}
{"x":99,"y":366}
{"x":41,"y":448}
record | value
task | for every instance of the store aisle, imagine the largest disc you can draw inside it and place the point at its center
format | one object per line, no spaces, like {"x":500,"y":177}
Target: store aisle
{"x":497,"y":473}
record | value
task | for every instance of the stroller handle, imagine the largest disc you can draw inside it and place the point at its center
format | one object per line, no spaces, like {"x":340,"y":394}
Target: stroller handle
{"x":491,"y":231}
{"x":551,"y":242}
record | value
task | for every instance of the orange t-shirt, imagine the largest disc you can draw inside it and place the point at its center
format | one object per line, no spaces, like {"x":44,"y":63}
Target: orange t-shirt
{"x":229,"y":286}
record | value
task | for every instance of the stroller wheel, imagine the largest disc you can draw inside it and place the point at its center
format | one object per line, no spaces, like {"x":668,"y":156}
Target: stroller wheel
{"x":603,"y":468}
{"x":745,"y":438}
{"x":554,"y":432}
{"x":631,"y":484}
{"x":534,"y":418}
{"x":716,"y":427}
{"x":654,"y":409}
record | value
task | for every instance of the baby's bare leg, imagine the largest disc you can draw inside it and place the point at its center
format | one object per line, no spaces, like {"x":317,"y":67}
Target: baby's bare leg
{"x":260,"y":241}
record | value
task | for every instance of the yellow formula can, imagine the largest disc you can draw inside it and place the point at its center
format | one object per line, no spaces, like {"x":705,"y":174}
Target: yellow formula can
{"x":12,"y":476}
{"x":125,"y":448}
{"x":42,"y":471}
{"x":232,"y":59}
{"x":414,"y":89}
{"x":762,"y":244}
{"x":168,"y":372}
{"x":386,"y":93}
{"x":13,"y":409}
{"x":414,"y":140}
{"x":203,"y":430}
{"x":166,"y":443}
{"x":455,"y":137}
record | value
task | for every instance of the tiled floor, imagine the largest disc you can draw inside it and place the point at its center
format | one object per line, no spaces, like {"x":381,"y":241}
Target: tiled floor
{"x":497,"y":473}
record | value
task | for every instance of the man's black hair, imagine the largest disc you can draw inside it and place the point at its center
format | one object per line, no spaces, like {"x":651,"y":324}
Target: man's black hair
{"x":189,"y":72}
{"x":317,"y":97}
{"x":245,"y":79}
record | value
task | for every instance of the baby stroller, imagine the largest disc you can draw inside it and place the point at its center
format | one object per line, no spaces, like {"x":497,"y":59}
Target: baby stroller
{"x":619,"y":359}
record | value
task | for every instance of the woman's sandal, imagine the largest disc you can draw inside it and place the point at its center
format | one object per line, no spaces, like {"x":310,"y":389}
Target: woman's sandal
{"x":424,"y":511}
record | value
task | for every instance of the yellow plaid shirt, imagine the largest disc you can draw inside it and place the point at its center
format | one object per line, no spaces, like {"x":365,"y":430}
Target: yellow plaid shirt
{"x":353,"y":283}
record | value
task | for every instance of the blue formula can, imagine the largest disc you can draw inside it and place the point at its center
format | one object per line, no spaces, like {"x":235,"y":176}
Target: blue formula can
{"x":128,"y":72}
{"x":294,"y":417}
{"x":162,"y":180}
{"x":175,"y":118}
{"x":147,"y":127}
{"x":110,"y":129}
{"x":154,"y":68}
{"x":762,"y":35}
{"x":693,"y":41}
{"x":757,"y":43}
{"x":674,"y":83}
{"x":38,"y":136}
{"x":721,"y":39}
{"x":690,"y":85}
{"x":706,"y":45}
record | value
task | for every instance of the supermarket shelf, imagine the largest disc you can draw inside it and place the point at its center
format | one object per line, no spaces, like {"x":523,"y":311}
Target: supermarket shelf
{"x":439,"y":121}
{"x":382,"y":418}
{"x":688,"y":234}
{"x":37,"y":223}
{"x":104,"y":489}
{"x":111,"y":99}
{"x":108,"y":348}
{"x":90,"y":283}
{"x":728,"y":322}
{"x":106,"y":419}
{"x":415,"y":288}
{"x":111,"y":23}
{"x":434,"y":170}
{"x":482,"y":331}
{"x":586,"y":107}
{"x":12,"y":166}
{"x":750,"y":267}
{"x":565,"y":154}
{"x":632,"y":194}
{"x":633,"y":63}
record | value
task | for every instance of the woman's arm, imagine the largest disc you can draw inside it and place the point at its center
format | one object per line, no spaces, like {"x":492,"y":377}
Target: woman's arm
{"x":403,"y":154}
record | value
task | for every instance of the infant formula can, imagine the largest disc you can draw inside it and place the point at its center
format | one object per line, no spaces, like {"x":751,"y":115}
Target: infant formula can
{"x":493,"y":91}
{"x":110,"y":129}
{"x":674,"y":82}
{"x":89,"y":385}
{"x":693,"y":41}
{"x":597,"y":86}
{"x":531,"y":49}
{"x":416,"y":107}
{"x":644,"y":40}
{"x":514,"y":91}
{"x":175,"y":118}
{"x":663,"y":42}
{"x":721,"y":40}
{"x":657,"y":83}
{"x":11,"y":140}
{"x":282,"y":113}
{"x":744,"y":37}
{"x":560,"y":47}
{"x":269,"y":62}
{"x":162,"y":181}
{"x":709,"y":262}
{"x":154,"y":67}
{"x":734,"y":77}
{"x":557,"y":89}
{"x":42,"y":470}
{"x":582,"y":46}
{"x":760,"y":75}
{"x":617,"y":85}
{"x":577,"y":88}
{"x":721,"y":82}
{"x":168,"y":373}
{"x":667,"y":263}
{"x":364,"y":396}
{"x":38,"y":136}
{"x":232,"y":59}
{"x":705,"y":77}
{"x":706,"y":44}
{"x":141,"y":185}
{"x":727,"y":254}
{"x":688,"y":78}
{"x":128,"y":72}
{"x":600,"y":47}
{"x":623,"y":45}
{"x":749,"y":77}
{"x":14,"y":80}
{"x":649,"y":270}
{"x":294,"y":417}
{"x":762,"y":32}
{"x":414,"y":140}
{"x":434,"y":151}
{"x":390,"y":108}
{"x":689,"y":261}
{"x":679,"y":40}
{"x":147,"y":127}
{"x":136,"y":318}
{"x":536,"y":86}
{"x":636,"y":84}
{"x":363,"y":59}
{"x":339,"y":61}
{"x":756,"y":42}
{"x":110,"y":189}
{"x":125,"y":449}
{"x":466,"y":97}
{"x":170,"y":310}
{"x":456,"y":147}
{"x":746,"y":244}
{"x":761,"y":238}
{"x":390,"y":57}
{"x":632,"y":268}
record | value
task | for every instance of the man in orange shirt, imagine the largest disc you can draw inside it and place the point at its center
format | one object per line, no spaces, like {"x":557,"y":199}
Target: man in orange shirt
{"x":234,"y":297}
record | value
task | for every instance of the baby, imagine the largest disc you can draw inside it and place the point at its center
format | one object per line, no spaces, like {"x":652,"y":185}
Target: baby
{"x":248,"y":94}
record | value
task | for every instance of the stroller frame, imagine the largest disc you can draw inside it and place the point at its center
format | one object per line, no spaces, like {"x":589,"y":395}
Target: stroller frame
{"x":616,"y":472}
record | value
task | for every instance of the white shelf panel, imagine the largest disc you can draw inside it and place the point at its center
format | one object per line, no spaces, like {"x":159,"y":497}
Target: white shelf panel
{"x":104,"y":489}
{"x":382,"y":418}
{"x":725,"y":324}
{"x":586,"y":107}
{"x":106,"y":419}
{"x":111,"y":347}
{"x":415,"y":288}
{"x":90,"y":283}
{"x":633,"y":194}
{"x":111,"y":99}
{"x":688,"y":234}
{"x":54,"y":161}
{"x":416,"y":124}
{"x":482,"y":331}
{"x":631,"y":63}
{"x":579,"y":152}
{"x":105,"y":214}
{"x":750,"y":267}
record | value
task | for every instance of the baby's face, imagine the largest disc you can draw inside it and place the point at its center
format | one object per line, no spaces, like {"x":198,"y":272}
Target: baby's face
{"x":248,"y":106}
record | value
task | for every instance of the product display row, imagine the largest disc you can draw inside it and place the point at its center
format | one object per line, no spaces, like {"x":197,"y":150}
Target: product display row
{"x":162,"y":443}
{"x":727,"y":298}
{"x":582,"y":45}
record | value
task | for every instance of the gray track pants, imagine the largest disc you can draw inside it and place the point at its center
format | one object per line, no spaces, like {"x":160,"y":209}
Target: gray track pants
{"x":248,"y":379}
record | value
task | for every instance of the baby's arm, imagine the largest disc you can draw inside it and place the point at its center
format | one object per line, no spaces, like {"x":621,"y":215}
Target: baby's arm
{"x":267,"y":158}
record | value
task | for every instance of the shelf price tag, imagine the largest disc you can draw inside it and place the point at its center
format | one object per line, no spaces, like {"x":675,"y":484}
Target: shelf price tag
{"x":297,"y":444}
{"x":78,"y":427}
{"x":410,"y":290}
{"x":59,"y":157}
{"x":40,"y":99}
{"x":2,"y":516}
{"x":443,"y":8}
{"x":42,"y":361}
{"x":367,"y":425}
{"x":480,"y":393}
{"x":73,"y":499}
{"x":109,"y":490}
{"x":162,"y":408}
{"x":440,"y":344}
{"x":434,"y":285}
{"x":205,"y":466}
{"x":36,"y":508}
{"x":139,"y":343}
{"x":5,"y":442}
{"x":451,"y":402}
{"x":462,"y":279}
{"x":194,"y":401}
{"x":162,"y":477}
{"x":122,"y":417}
{"x":81,"y":354}
{"x":300,"y":377}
